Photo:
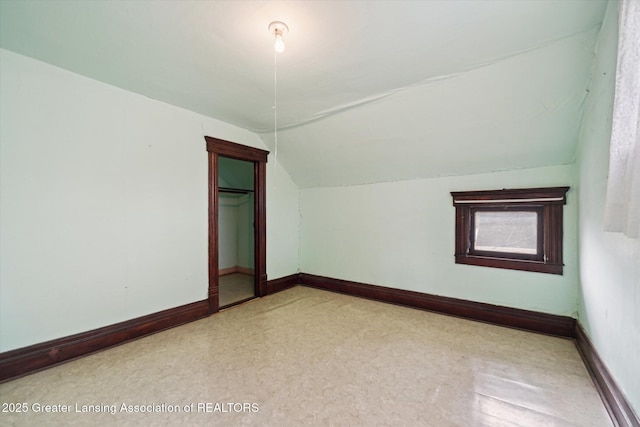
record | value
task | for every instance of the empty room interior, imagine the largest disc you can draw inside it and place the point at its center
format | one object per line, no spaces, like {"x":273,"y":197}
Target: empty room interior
{"x":320,"y":212}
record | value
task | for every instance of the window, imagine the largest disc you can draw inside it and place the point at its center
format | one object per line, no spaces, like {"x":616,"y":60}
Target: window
{"x":518,"y":229}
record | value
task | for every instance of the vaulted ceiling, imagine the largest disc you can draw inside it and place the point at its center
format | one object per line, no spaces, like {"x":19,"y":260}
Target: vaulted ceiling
{"x":368,"y":91}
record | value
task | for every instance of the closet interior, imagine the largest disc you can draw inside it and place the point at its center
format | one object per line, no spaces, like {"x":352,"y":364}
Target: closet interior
{"x":236,"y":242}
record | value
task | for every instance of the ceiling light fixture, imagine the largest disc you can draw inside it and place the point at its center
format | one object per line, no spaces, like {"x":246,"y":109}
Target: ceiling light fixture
{"x":278,"y":29}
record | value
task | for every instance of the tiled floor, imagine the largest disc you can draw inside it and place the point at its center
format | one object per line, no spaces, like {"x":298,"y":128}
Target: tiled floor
{"x":235,"y":287}
{"x":306,"y":356}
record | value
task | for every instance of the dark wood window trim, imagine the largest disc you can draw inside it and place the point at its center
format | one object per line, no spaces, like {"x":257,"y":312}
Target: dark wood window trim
{"x":219,"y":147}
{"x":547,"y":202}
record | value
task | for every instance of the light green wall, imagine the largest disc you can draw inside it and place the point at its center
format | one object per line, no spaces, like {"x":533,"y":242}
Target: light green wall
{"x":401,"y":234}
{"x":283,"y":222}
{"x":609,"y":297}
{"x":234,"y":173}
{"x":227,"y":233}
{"x":245,"y":232}
{"x":103,"y":210}
{"x":235,"y":231}
{"x":227,"y":230}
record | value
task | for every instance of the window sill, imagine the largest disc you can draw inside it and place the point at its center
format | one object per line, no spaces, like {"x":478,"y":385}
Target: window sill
{"x":510,"y":264}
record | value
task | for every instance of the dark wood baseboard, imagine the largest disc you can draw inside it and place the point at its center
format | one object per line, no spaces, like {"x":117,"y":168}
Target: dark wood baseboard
{"x":282,"y":283}
{"x":22,"y":361}
{"x":551,"y":324}
{"x":236,"y":269}
{"x":26,"y":360}
{"x":620,"y":410}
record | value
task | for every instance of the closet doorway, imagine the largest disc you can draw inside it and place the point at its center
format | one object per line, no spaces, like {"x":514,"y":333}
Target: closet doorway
{"x":237,"y":220}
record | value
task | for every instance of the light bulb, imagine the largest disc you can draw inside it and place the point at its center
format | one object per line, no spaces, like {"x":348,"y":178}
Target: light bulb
{"x":278,"y":29}
{"x":279,"y":43}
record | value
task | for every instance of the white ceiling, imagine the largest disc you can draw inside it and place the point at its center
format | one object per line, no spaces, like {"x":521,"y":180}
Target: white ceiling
{"x":368,"y":91}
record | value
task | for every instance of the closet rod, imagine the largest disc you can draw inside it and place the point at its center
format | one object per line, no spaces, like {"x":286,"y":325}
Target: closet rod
{"x":234,"y":190}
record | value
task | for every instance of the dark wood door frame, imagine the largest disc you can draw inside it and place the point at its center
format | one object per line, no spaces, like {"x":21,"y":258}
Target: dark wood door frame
{"x":219,"y":147}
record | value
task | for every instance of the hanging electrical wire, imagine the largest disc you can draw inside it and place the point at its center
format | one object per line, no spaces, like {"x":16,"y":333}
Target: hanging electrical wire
{"x":275,"y":117}
{"x":278,"y":29}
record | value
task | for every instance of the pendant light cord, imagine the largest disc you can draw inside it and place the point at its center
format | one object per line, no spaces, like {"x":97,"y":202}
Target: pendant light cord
{"x":275,"y":117}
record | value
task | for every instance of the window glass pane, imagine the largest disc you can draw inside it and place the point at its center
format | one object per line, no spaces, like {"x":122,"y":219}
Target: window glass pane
{"x":500,"y":231}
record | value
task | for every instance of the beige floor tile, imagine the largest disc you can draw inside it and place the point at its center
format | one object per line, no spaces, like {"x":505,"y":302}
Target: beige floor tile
{"x":310,"y":357}
{"x":235,"y":287}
